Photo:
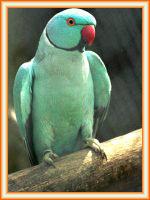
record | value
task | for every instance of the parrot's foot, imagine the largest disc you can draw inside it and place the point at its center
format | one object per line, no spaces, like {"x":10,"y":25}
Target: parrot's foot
{"x":49,"y":157}
{"x":95,"y":145}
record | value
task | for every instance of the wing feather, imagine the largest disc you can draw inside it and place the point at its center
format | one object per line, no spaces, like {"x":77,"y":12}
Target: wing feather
{"x":102,"y":89}
{"x":22,"y":94}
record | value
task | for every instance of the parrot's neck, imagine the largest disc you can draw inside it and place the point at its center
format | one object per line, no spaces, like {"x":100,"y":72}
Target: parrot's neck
{"x":46,"y":51}
{"x":57,"y":61}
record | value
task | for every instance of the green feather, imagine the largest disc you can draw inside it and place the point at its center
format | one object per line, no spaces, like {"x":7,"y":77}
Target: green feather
{"x":56,"y":92}
{"x":102,"y":89}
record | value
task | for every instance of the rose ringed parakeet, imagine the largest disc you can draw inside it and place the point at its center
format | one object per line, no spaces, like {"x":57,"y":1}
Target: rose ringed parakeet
{"x":62,"y":94}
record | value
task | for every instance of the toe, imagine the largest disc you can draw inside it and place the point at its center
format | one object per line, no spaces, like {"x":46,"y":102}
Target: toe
{"x":47,"y":159}
{"x":103,"y":155}
{"x":54,"y":156}
{"x":95,"y":145}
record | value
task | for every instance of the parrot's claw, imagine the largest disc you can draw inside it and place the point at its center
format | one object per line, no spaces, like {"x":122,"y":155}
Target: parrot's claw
{"x":95,"y":145}
{"x":49,"y":158}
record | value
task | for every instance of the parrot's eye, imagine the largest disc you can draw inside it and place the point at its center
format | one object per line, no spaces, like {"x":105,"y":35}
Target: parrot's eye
{"x":70,"y":22}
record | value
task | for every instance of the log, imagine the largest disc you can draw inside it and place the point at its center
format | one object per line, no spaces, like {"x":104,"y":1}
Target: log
{"x":85,"y":171}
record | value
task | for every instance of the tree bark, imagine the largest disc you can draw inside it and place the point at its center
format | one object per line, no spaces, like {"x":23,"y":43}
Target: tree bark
{"x":85,"y":171}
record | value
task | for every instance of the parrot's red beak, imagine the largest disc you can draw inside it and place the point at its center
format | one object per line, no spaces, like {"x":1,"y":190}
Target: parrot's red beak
{"x":88,"y":34}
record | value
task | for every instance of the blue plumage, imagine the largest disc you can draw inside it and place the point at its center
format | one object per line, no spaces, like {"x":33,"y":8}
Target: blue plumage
{"x":64,"y":91}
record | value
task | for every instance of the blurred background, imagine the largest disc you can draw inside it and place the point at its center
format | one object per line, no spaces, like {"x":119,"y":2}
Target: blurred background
{"x":118,"y":42}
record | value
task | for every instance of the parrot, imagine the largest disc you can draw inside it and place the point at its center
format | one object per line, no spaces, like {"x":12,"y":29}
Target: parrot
{"x":62,"y":94}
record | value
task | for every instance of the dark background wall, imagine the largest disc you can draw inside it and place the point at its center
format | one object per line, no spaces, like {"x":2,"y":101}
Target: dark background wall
{"x":118,"y":42}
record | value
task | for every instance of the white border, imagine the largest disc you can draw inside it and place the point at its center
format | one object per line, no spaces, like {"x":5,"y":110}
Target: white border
{"x":4,"y":59}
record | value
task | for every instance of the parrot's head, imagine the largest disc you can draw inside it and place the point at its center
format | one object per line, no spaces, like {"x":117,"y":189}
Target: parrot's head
{"x":71,"y":29}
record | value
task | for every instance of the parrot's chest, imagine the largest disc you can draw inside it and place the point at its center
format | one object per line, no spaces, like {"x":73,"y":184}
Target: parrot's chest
{"x":64,"y":88}
{"x":64,"y":82}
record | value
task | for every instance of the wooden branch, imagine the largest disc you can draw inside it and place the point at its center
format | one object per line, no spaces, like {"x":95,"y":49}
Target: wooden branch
{"x":85,"y":171}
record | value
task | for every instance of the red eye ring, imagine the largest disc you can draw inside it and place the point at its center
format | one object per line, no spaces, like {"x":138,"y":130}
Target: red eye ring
{"x":70,"y":21}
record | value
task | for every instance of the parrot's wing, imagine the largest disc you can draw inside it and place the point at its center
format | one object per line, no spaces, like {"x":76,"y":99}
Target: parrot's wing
{"x":102,"y":89}
{"x":22,"y":94}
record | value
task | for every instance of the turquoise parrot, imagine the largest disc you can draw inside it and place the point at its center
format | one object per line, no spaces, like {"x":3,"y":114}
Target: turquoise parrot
{"x":62,"y":94}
